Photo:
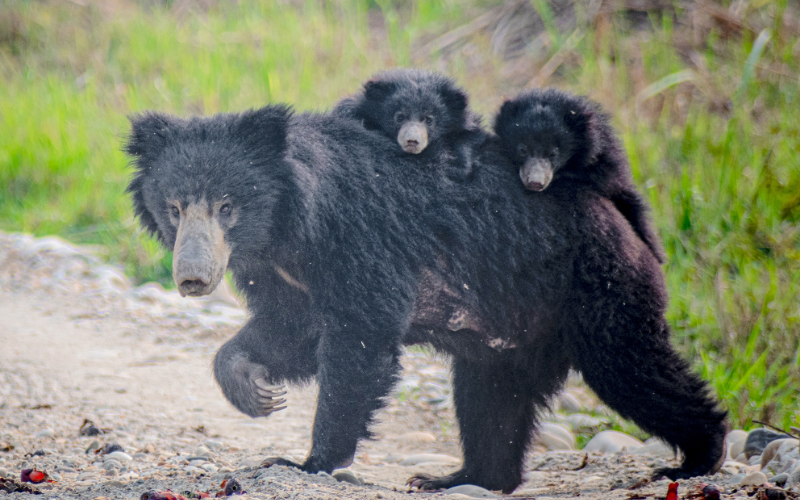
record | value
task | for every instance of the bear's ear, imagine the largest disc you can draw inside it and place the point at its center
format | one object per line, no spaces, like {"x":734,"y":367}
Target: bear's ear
{"x":379,"y":90}
{"x":146,"y":219}
{"x":507,"y":114}
{"x":149,"y":133}
{"x":264,"y":130}
{"x":454,"y":98}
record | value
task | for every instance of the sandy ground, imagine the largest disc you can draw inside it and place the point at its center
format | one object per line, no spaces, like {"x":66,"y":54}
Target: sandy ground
{"x":145,"y":374}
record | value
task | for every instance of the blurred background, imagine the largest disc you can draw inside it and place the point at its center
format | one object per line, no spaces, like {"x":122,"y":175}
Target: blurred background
{"x":704,"y":94}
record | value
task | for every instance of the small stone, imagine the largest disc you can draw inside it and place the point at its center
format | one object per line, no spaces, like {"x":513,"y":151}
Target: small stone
{"x":347,"y":476}
{"x":4,"y":473}
{"x":423,"y":458}
{"x":418,"y":437}
{"x":47,"y":433}
{"x":734,"y":441}
{"x":736,"y":479}
{"x":780,"y":479}
{"x":656,"y":448}
{"x":568,"y":403}
{"x":111,"y":464}
{"x":119,"y":455}
{"x":198,"y":463}
{"x":210,"y":468}
{"x":582,"y":421}
{"x":758,"y":439}
{"x":94,"y":445}
{"x":612,"y":442}
{"x":202,"y":451}
{"x":552,"y":442}
{"x":771,"y":450}
{"x":470,"y":490}
{"x":116,"y":484}
{"x":224,"y":470}
{"x":111,"y":472}
{"x":139,"y":456}
{"x":213,"y":444}
{"x":559,"y":431}
{"x":84,"y":476}
{"x":754,"y":479}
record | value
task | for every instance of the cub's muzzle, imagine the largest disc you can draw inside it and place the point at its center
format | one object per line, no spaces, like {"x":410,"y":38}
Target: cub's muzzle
{"x":413,"y":137}
{"x":536,"y":174}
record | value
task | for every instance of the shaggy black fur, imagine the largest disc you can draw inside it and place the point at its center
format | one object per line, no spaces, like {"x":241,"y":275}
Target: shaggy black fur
{"x":573,"y":135}
{"x":560,"y":277}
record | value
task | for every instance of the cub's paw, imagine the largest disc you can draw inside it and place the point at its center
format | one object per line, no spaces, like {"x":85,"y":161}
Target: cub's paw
{"x":427,"y":482}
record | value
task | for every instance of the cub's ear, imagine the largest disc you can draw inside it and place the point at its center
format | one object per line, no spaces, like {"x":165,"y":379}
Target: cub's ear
{"x":506,"y":116}
{"x":149,"y":133}
{"x":454,"y":98}
{"x":379,"y":90}
{"x":264,"y":130}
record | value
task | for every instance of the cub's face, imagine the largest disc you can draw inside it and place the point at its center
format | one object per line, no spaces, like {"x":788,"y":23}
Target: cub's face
{"x":202,"y":186}
{"x":414,"y":108}
{"x":540,"y":136}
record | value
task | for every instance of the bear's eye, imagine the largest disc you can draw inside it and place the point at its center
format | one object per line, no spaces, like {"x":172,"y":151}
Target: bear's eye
{"x":225,"y":209}
{"x":400,"y":117}
{"x":175,"y":211}
{"x":429,"y":120}
{"x":554,"y":153}
{"x":522,"y":151}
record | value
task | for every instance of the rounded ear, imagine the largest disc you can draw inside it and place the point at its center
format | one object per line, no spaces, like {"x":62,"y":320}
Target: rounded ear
{"x":378,"y":90}
{"x":454,"y":98}
{"x":264,"y":130}
{"x":507,"y":114}
{"x":149,"y":133}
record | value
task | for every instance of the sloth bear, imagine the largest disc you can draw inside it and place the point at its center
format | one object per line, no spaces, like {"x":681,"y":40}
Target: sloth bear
{"x":331,"y":233}
{"x":555,"y":135}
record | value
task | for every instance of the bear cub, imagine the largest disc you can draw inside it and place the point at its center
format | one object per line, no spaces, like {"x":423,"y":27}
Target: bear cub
{"x":552,"y":135}
{"x":419,"y":109}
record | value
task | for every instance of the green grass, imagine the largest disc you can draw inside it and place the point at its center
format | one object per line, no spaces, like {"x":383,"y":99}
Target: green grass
{"x":710,"y":120}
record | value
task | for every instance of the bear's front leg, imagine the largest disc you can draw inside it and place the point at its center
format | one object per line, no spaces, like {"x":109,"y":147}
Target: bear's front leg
{"x":354,"y":377}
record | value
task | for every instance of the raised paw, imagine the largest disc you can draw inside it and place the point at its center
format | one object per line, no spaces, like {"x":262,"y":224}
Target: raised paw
{"x":269,"y":397}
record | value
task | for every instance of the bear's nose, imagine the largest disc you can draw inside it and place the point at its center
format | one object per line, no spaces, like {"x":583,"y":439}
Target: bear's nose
{"x":412,"y":142}
{"x":535,"y":186}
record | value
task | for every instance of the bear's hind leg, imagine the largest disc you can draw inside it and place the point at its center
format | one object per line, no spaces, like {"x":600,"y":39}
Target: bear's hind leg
{"x":643,"y":378}
{"x":496,"y":411}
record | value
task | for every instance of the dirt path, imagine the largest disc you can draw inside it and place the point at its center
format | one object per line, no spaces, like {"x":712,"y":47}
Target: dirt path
{"x":72,"y":338}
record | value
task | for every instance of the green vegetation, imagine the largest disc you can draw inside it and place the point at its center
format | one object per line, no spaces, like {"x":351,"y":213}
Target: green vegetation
{"x":706,"y":97}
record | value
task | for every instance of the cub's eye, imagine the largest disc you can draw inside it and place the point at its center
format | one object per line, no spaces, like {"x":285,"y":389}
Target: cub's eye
{"x":174,"y":211}
{"x":522,"y":151}
{"x":429,"y":120}
{"x":554,"y":153}
{"x":225,"y":209}
{"x":400,"y":117}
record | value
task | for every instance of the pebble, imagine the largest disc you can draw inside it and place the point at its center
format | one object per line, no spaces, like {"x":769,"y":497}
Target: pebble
{"x":612,"y":442}
{"x":118,"y":455}
{"x":780,"y":479}
{"x":210,"y":468}
{"x":470,"y":490}
{"x":213,"y":444}
{"x":94,"y":445}
{"x":423,"y":458}
{"x":735,"y":442}
{"x":552,"y":442}
{"x":568,"y":403}
{"x":758,"y":439}
{"x":347,"y":476}
{"x":754,"y":479}
{"x":736,"y":478}
{"x":87,"y":475}
{"x":116,"y":484}
{"x":655,"y":447}
{"x":202,"y":451}
{"x":418,"y":437}
{"x":111,"y":464}
{"x":560,"y":432}
{"x":780,"y":455}
{"x":3,"y":473}
{"x":47,"y":433}
{"x":581,"y":420}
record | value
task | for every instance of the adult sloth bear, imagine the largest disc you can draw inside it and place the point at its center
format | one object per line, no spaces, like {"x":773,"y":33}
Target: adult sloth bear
{"x":332,"y":236}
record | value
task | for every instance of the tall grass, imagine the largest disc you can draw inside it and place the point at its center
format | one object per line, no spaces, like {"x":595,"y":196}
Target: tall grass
{"x":707,"y":111}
